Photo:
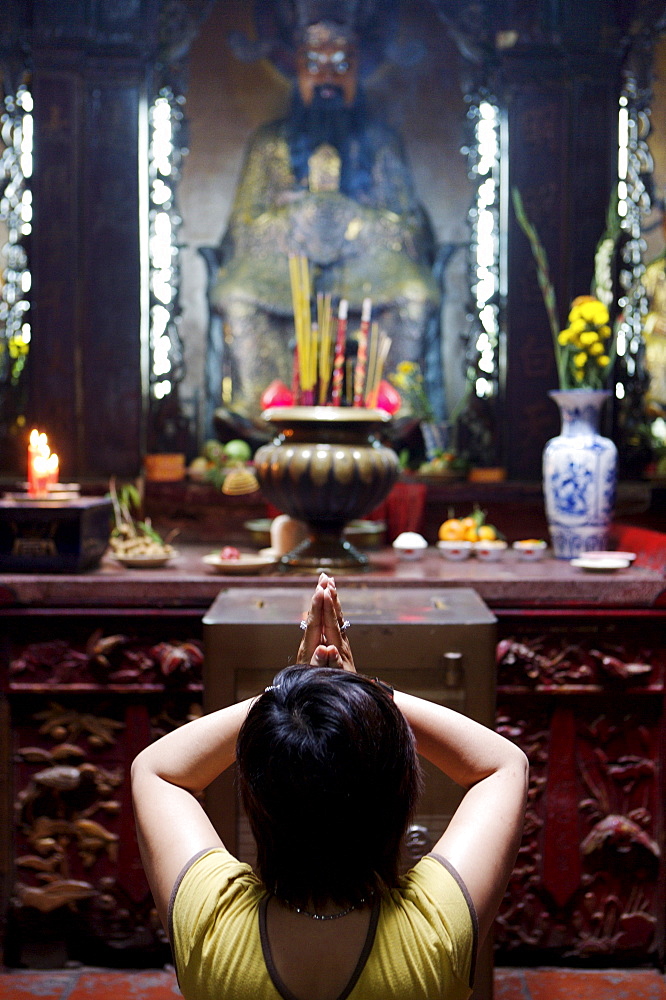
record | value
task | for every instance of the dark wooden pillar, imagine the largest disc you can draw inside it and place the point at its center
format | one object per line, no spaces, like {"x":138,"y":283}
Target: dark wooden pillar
{"x":560,"y":86}
{"x":91,"y":70}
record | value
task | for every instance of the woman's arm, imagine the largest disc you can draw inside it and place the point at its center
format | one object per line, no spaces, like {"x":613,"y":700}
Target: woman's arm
{"x":483,"y":836}
{"x":171,"y":823}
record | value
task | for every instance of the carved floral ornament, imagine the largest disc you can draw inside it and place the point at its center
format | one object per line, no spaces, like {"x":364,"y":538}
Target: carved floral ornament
{"x":107,"y":659}
{"x":73,"y":821}
{"x":589,"y":890}
{"x":550,"y":661}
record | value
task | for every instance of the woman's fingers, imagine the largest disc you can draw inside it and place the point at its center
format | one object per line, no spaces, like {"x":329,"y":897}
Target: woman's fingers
{"x":324,"y":642}
{"x":333,"y":627}
{"x":314,"y":627}
{"x":327,"y":656}
{"x":333,"y":620}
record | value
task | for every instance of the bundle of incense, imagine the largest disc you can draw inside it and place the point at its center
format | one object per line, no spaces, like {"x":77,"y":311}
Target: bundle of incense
{"x":312,"y":337}
{"x":362,"y":355}
{"x":324,"y":323}
{"x":295,"y":377}
{"x":300,"y":294}
{"x":339,"y":361}
{"x":380,"y":346}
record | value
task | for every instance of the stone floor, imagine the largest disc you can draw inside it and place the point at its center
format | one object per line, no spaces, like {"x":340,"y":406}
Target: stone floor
{"x":510,"y":984}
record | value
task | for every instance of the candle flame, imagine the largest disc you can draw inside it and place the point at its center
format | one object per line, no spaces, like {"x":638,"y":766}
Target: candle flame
{"x":43,"y":465}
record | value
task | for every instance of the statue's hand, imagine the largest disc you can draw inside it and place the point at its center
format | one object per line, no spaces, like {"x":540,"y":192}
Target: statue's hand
{"x":286,"y":198}
{"x":319,"y":225}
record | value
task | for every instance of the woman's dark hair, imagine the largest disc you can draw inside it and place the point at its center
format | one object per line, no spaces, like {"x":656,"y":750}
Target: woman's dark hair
{"x":329,"y":777}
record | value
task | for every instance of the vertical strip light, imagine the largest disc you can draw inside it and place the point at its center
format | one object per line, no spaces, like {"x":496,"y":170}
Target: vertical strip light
{"x":164,"y":157}
{"x":484,"y":169}
{"x":634,"y":160}
{"x":16,"y":123}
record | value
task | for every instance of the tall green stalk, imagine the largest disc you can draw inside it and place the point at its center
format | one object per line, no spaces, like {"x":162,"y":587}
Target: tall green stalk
{"x":545,"y":284}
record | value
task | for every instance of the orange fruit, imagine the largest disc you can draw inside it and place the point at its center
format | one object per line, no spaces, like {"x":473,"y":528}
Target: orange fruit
{"x":487,"y":533}
{"x":471,"y":533}
{"x":451,"y":530}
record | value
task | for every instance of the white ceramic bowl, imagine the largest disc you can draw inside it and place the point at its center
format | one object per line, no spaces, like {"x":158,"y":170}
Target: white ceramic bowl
{"x":490,"y":549}
{"x":455,"y":550}
{"x":530,"y":548}
{"x":410,"y":545}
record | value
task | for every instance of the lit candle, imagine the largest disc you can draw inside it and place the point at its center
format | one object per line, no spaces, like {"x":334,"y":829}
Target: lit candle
{"x":33,"y":451}
{"x":52,"y":469}
{"x":40,"y":474}
{"x":43,"y":467}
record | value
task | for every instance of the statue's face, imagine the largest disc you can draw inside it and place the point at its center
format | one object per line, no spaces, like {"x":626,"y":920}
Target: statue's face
{"x":329,"y":69}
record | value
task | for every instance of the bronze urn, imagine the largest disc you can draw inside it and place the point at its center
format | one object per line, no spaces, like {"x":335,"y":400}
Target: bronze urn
{"x":326,"y":466}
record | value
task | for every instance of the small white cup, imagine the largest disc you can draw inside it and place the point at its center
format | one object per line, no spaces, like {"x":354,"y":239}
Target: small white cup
{"x":455,"y":550}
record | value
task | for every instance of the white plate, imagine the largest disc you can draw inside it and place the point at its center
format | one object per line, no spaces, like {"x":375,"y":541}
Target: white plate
{"x":248,"y":562}
{"x":610,"y":554}
{"x":599,"y":565}
{"x":144,"y":562}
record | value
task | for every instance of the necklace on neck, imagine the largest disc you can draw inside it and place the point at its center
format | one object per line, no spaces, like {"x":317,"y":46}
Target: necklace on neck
{"x":322,"y":916}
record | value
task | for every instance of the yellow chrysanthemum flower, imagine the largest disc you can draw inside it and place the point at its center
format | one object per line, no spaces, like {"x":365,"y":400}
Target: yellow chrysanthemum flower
{"x":576,"y":325}
{"x":594,"y":313}
{"x":597,"y":348}
{"x":406,"y":367}
{"x":603,"y":360}
{"x":589,"y":337}
{"x":564,"y":338}
{"x":579,"y":359}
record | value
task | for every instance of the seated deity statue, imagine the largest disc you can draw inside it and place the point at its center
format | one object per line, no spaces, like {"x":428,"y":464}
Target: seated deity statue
{"x":332,"y":184}
{"x":654,"y":335}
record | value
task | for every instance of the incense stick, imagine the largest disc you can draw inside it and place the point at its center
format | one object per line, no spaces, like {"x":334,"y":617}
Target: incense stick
{"x":339,"y":361}
{"x":373,"y":352}
{"x":324,"y":315}
{"x":362,"y":355}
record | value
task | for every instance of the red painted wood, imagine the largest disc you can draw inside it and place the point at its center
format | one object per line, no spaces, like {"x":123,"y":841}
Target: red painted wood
{"x":561,"y":850}
{"x":131,"y":876}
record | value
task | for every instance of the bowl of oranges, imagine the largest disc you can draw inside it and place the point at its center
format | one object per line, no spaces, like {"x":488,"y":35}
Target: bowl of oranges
{"x":459,"y":537}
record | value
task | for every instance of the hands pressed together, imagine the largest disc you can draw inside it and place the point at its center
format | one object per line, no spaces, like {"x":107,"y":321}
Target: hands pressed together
{"x":324,"y":642}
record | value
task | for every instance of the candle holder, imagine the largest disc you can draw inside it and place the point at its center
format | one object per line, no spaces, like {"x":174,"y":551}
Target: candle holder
{"x":326,"y":466}
{"x":57,"y":532}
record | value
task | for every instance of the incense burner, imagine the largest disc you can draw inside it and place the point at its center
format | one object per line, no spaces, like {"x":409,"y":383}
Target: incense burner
{"x":326,"y":466}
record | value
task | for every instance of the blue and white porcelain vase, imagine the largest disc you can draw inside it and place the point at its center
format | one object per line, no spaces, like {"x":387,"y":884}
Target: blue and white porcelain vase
{"x":579,"y":475}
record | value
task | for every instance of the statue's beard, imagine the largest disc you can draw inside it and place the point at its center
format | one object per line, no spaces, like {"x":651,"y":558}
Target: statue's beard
{"x":325,"y":120}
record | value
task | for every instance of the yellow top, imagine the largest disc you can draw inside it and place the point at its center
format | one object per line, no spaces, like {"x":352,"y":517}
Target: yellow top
{"x":421,"y":942}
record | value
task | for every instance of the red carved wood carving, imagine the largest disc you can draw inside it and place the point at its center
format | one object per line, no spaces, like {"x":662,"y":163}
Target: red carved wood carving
{"x":561,"y":851}
{"x":107,"y":660}
{"x":131,"y":877}
{"x":613,"y":791}
{"x":79,"y":873}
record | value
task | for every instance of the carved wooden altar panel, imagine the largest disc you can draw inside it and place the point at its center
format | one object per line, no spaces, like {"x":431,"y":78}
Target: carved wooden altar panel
{"x":585,"y":702}
{"x":582,"y":693}
{"x":83,"y":699}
